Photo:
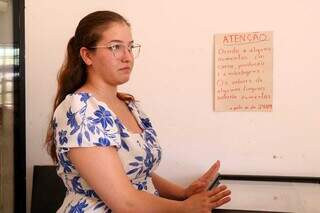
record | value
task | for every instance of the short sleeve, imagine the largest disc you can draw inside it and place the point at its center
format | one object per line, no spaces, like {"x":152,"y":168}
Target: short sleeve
{"x":82,"y":121}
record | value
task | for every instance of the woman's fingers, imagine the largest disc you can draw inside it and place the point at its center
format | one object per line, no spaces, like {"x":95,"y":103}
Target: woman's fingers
{"x":219,"y":196}
{"x":208,"y":200}
{"x":220,"y":202}
{"x":212,"y":171}
{"x":216,"y":190}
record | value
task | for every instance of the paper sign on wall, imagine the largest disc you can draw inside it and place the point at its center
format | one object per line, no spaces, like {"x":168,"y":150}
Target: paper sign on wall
{"x":243,"y":72}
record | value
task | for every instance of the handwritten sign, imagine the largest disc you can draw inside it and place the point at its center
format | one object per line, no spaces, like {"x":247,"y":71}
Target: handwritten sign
{"x":243,"y":72}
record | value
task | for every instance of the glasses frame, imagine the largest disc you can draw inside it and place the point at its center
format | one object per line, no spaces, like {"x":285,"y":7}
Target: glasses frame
{"x":111,"y":47}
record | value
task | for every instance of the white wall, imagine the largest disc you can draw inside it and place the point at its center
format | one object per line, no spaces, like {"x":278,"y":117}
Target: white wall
{"x":173,"y":77}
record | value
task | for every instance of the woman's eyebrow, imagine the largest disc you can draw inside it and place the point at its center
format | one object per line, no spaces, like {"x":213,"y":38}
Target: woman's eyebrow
{"x":119,"y":41}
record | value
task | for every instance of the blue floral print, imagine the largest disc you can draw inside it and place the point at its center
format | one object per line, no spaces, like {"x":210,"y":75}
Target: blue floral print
{"x":100,"y":204}
{"x":150,"y":137}
{"x":72,"y":121}
{"x":121,"y":129}
{"x":78,"y":208}
{"x":103,"y":142}
{"x":83,"y":121}
{"x":148,"y":161}
{"x":65,"y":163}
{"x":62,"y":137}
{"x":84,"y":97}
{"x":123,"y":134}
{"x":141,"y":185}
{"x":146,"y":122}
{"x":103,"y":117}
{"x":76,"y":185}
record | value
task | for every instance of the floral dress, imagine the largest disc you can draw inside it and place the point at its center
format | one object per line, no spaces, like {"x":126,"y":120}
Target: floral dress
{"x":83,"y":121}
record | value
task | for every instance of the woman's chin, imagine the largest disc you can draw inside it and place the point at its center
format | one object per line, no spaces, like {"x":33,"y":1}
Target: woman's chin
{"x":124,"y":80}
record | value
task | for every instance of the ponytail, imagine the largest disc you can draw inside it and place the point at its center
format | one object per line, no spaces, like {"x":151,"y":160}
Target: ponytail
{"x":71,"y":76}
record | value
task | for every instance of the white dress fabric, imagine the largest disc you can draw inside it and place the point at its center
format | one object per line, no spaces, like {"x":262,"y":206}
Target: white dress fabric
{"x":83,"y":121}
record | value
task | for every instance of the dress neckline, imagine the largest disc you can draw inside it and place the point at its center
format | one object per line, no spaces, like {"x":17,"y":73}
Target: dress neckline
{"x":130,"y":106}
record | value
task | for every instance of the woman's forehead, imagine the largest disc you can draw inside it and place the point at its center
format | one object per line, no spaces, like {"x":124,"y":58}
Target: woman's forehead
{"x":117,"y":32}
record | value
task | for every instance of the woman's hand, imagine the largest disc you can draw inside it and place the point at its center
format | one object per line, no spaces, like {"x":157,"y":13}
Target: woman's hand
{"x":205,"y":201}
{"x":201,"y":184}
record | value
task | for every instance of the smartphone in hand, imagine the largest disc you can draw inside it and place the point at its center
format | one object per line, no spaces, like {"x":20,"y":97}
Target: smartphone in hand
{"x":214,"y":182}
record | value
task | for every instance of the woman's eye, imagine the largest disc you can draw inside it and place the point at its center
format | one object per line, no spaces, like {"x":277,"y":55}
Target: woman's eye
{"x":116,"y":47}
{"x":131,"y":47}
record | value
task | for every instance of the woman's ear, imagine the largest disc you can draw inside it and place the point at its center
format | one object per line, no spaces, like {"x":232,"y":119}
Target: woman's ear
{"x":86,"y":56}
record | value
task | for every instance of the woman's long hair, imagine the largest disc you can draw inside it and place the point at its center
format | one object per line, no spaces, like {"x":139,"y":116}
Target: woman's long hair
{"x":72,"y":74}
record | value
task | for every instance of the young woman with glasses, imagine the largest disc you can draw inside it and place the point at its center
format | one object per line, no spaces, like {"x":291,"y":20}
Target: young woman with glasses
{"x":104,"y":145}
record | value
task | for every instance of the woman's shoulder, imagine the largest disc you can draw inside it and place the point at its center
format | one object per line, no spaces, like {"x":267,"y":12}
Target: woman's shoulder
{"x":79,"y":101}
{"x":82,"y":120}
{"x":72,"y":100}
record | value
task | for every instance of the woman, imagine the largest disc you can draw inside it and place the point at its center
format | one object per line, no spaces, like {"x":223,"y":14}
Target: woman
{"x":105,"y":146}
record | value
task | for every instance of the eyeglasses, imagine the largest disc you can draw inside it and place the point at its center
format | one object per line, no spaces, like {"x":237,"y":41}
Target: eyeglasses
{"x":119,"y":49}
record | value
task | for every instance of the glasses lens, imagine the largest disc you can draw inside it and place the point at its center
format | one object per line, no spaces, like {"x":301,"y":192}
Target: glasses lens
{"x":135,"y":51}
{"x":118,"y":50}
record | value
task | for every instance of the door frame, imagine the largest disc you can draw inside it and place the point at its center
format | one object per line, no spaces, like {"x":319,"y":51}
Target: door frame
{"x":19,"y":123}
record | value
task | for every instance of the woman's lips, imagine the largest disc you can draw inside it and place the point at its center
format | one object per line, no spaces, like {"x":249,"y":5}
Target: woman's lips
{"x":125,"y":69}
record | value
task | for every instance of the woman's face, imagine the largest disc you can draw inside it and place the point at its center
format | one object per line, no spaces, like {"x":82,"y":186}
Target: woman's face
{"x":111,"y":61}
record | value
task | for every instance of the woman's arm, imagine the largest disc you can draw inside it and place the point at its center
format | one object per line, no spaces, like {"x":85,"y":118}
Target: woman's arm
{"x":168,"y":189}
{"x":103,"y":171}
{"x":172,"y":191}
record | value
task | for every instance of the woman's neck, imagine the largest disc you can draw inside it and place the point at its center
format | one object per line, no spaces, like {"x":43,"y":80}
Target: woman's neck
{"x":101,"y":91}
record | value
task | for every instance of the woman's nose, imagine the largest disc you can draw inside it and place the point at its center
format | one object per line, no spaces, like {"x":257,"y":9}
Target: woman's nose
{"x":127,"y":55}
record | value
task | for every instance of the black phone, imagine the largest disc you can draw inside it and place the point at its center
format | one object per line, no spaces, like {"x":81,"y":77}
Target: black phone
{"x":214,"y":182}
